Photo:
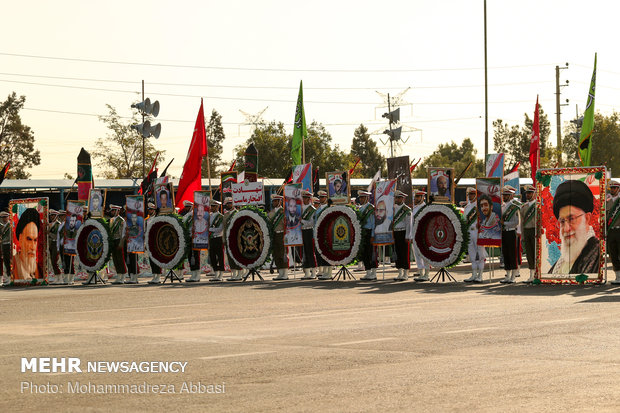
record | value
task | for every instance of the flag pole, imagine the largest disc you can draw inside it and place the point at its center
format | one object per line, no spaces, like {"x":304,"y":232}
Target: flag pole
{"x":208,"y":163}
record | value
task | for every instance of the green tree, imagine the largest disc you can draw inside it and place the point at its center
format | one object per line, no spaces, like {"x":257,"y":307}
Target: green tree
{"x":16,"y":139}
{"x":452,"y":155}
{"x":364,"y":148}
{"x":274,"y":150}
{"x":119,"y":154}
{"x":514,"y":141}
{"x":215,"y":139}
{"x":605,"y":142}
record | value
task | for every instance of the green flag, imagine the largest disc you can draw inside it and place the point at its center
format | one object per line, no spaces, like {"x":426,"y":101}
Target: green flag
{"x":585,"y":138}
{"x":299,"y":132}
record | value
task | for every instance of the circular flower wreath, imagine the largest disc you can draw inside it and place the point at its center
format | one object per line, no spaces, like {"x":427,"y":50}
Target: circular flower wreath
{"x":93,"y":244}
{"x":176,"y":237}
{"x":236,"y":223}
{"x":323,"y":234}
{"x":440,"y":235}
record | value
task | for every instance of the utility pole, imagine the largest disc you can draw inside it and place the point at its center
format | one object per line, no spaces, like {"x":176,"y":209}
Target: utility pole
{"x":486,"y":90}
{"x":558,"y":110}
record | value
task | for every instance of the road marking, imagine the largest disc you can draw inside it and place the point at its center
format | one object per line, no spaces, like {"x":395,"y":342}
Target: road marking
{"x":372,"y":340}
{"x":469,"y":330}
{"x":223,"y":356}
{"x":567,"y":320}
{"x":135,"y":308}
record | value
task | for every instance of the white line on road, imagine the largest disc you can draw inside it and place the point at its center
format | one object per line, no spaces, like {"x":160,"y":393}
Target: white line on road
{"x":372,"y":340}
{"x":223,"y":356}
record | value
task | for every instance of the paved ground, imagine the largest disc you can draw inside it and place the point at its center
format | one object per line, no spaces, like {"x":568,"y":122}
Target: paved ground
{"x":322,"y":346}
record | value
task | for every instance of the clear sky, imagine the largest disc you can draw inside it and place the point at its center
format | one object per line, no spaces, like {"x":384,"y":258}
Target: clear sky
{"x":248,"y":55}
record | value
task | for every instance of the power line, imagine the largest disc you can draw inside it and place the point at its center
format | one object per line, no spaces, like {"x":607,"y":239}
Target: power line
{"x":266,"y":87}
{"x":259,"y":69}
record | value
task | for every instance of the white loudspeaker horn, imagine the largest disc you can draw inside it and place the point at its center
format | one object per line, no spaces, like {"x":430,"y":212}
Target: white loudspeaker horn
{"x":155,"y":130}
{"x":143,"y":106}
{"x":155,"y":108}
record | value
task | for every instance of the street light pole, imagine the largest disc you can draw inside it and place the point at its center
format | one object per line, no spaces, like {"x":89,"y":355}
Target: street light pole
{"x":486,"y":89}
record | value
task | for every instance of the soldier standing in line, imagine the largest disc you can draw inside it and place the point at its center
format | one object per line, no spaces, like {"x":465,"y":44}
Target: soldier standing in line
{"x":307,"y":234}
{"x":216,"y":248}
{"x":117,"y":232}
{"x":402,"y":235}
{"x":528,"y":229}
{"x":613,"y":228}
{"x":276,"y":215}
{"x":367,"y":222}
{"x":52,"y":242}
{"x":5,"y":237}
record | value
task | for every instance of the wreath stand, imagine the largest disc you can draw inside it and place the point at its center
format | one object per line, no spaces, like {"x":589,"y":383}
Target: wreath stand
{"x":172,"y":275}
{"x":254,"y":273}
{"x":344,"y":273}
{"x":443,"y":273}
{"x":94,"y":278}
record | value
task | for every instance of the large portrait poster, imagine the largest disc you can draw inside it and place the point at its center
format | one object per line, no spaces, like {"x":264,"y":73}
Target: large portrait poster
{"x":292,"y":215}
{"x":384,"y":212}
{"x":489,"y":204}
{"x":28,"y":219}
{"x":200,"y":230}
{"x":164,"y":197}
{"x":96,"y":202}
{"x":571,"y":224}
{"x":441,"y":184}
{"x":75,"y":218}
{"x":248,"y":193}
{"x":398,"y":168}
{"x":338,"y":188}
{"x":135,"y":223}
{"x":302,"y":174}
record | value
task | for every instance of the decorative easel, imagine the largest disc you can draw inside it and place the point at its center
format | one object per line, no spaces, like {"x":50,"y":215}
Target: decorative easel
{"x":94,"y":278}
{"x":443,"y":274}
{"x":254,"y":273}
{"x":172,"y":275}
{"x":344,"y":273}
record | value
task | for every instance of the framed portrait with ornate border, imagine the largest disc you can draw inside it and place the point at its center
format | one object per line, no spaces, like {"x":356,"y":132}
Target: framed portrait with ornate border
{"x":571,"y":225}
{"x":441,"y":185}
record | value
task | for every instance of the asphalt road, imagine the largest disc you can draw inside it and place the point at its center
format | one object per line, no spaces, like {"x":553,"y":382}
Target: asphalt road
{"x":318,"y":346}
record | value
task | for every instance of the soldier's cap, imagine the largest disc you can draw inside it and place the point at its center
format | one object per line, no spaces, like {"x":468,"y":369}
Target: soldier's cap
{"x":398,"y":193}
{"x":276,"y":197}
{"x":529,"y":188}
{"x":117,"y":207}
{"x":188,"y":203}
{"x":614,"y":184}
{"x":62,"y":212}
{"x":362,"y":193}
{"x":463,"y":203}
{"x":151,"y":205}
{"x":177,"y":209}
{"x":306,"y":194}
{"x":53,"y":212}
{"x":352,"y":200}
{"x":508,"y":190}
{"x":419,"y":192}
{"x":470,"y":190}
{"x":321,"y":193}
{"x":4,"y":214}
{"x":215,"y":202}
{"x":315,"y":199}
{"x":228,"y":200}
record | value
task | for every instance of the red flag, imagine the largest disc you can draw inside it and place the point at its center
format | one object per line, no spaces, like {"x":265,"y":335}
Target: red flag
{"x":515,"y":168}
{"x":232,"y":167}
{"x":4,"y":171}
{"x":192,"y":170}
{"x":535,"y":144}
{"x":354,"y":166}
{"x":144,"y":181}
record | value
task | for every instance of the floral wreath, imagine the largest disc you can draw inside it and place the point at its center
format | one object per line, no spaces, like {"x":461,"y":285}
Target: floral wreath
{"x":440,"y":235}
{"x":238,"y":218}
{"x":83,"y":233}
{"x":323,"y":238}
{"x":155,"y":225}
